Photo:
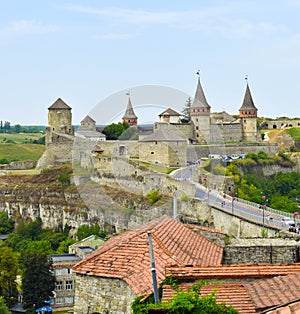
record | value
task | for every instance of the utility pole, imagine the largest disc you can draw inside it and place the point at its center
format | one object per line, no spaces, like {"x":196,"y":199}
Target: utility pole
{"x":153,"y":269}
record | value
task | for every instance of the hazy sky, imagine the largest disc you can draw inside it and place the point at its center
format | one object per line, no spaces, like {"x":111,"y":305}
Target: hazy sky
{"x":86,"y":51}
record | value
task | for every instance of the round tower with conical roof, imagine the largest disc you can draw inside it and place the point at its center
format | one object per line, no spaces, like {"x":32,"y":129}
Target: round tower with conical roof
{"x":200,"y":115}
{"x":248,"y":116}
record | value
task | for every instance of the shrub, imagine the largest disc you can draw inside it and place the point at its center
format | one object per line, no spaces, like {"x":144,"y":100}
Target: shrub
{"x":153,"y":196}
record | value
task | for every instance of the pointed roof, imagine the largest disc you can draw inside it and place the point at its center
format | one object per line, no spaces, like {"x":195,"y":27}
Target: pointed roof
{"x":88,"y":119}
{"x":129,"y":113}
{"x":59,"y":104}
{"x":199,"y":100}
{"x":170,"y":112}
{"x":126,"y":256}
{"x":248,"y":103}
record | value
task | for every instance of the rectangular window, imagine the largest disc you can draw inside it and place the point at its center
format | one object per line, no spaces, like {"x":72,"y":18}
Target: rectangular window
{"x":59,"y":271}
{"x":59,"y":300}
{"x":69,"y":300}
{"x":69,"y":284}
{"x":58,"y":285}
{"x":69,"y":271}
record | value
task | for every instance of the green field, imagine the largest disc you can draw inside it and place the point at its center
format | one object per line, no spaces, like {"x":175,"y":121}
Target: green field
{"x":20,"y":137}
{"x":12,"y":147}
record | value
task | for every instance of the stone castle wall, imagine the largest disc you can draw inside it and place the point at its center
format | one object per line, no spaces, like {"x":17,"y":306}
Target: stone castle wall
{"x":199,"y":151}
{"x":278,"y":124}
{"x":226,"y":133}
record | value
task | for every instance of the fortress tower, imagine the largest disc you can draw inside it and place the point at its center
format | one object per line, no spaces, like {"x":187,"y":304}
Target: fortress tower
{"x":200,"y":115}
{"x":129,"y":115}
{"x":248,"y":115}
{"x":59,"y":122}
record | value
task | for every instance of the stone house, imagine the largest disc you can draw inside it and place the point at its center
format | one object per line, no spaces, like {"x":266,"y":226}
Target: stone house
{"x":89,"y":131}
{"x":110,"y":278}
{"x":169,"y":115}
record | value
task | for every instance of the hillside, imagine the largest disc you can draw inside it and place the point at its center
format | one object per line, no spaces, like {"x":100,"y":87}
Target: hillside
{"x":285,"y":138}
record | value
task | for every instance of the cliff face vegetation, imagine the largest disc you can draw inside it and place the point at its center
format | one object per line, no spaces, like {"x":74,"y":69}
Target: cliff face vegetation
{"x":53,"y":197}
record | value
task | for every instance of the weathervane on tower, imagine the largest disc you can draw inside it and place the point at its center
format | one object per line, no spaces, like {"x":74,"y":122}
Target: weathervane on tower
{"x":198,"y":73}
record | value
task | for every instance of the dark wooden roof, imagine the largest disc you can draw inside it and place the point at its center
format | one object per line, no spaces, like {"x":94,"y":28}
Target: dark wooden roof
{"x":59,"y":104}
{"x":248,"y":103}
{"x":199,"y":100}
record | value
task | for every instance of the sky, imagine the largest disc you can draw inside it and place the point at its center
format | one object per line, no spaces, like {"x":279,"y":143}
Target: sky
{"x":86,"y":52}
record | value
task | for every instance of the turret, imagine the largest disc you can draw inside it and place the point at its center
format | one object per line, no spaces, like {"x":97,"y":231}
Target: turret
{"x":129,"y":115}
{"x":248,"y":115}
{"x":200,"y":115}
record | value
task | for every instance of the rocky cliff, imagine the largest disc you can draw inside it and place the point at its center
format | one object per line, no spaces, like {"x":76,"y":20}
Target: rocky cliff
{"x":47,"y":195}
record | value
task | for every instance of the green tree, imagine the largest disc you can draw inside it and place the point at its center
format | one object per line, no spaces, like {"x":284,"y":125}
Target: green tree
{"x":17,"y":128}
{"x":186,"y":116}
{"x":6,"y":223}
{"x":64,"y":246}
{"x":84,"y":231}
{"x":3,"y":307}
{"x":186,"y":302}
{"x":38,"y":280}
{"x":115,"y":130}
{"x":8,"y":274}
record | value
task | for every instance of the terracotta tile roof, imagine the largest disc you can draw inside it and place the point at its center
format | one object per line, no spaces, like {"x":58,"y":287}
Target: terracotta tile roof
{"x":126,"y":256}
{"x":275,"y":291}
{"x":281,"y":291}
{"x":233,"y":294}
{"x":291,"y":308}
{"x":239,"y":271}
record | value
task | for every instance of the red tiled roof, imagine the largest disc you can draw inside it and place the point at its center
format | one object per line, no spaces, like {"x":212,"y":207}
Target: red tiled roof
{"x":233,"y":294}
{"x":235,"y":271}
{"x":126,"y":256}
{"x":291,"y":308}
{"x":275,"y":291}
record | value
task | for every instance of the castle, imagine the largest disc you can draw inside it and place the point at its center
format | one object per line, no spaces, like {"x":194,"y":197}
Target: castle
{"x":170,"y":140}
{"x":206,"y":126}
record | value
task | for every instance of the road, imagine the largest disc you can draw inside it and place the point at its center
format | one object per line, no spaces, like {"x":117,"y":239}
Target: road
{"x":235,"y":206}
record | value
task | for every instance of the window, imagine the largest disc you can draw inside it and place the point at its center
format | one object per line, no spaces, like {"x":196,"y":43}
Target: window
{"x":58,"y":285}
{"x":69,"y":300}
{"x":69,"y":271}
{"x":59,"y":271}
{"x":69,"y":284}
{"x":59,"y":300}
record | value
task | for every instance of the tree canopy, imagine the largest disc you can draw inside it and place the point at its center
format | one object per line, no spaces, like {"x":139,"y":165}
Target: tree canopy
{"x":115,"y":130}
{"x":8,"y":274}
{"x":37,"y":279}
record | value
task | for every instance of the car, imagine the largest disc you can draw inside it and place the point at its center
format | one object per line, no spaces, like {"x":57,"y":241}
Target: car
{"x":214,"y":156}
{"x":287,"y":222}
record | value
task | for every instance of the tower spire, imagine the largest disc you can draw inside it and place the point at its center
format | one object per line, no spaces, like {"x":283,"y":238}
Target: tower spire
{"x":129,"y":115}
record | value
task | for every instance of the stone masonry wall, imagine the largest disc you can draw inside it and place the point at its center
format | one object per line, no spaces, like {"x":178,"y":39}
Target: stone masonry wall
{"x":257,"y":251}
{"x":103,"y":295}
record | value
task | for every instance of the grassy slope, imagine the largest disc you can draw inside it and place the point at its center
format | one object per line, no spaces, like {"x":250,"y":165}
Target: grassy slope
{"x":18,"y":151}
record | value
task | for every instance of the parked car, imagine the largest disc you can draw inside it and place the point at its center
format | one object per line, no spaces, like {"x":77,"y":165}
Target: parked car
{"x":287,"y":222}
{"x":214,"y":156}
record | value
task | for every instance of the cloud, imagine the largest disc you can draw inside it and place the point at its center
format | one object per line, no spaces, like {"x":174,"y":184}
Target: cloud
{"x":28,"y":27}
{"x":115,"y":36}
{"x":220,"y":19}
